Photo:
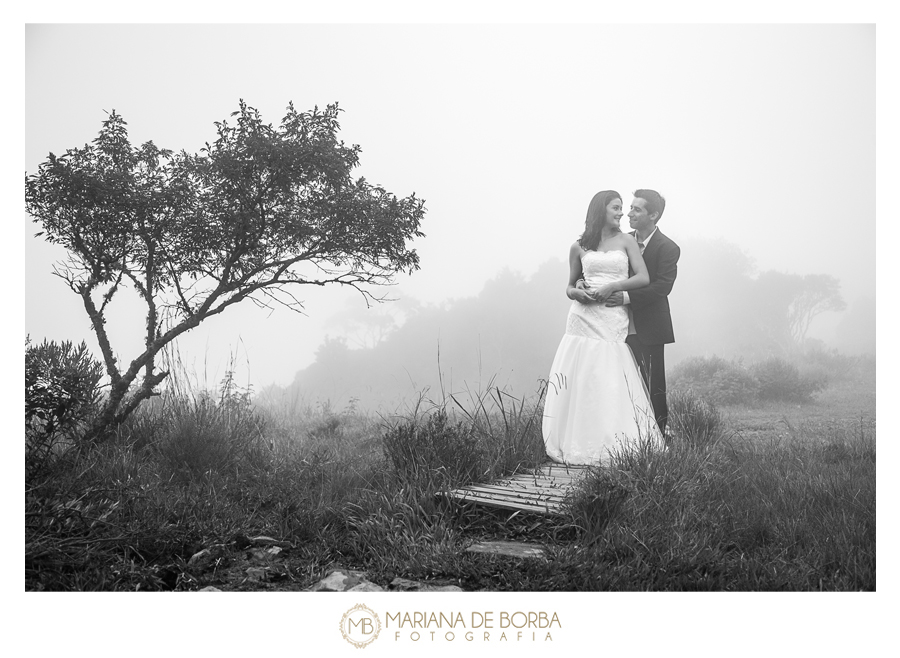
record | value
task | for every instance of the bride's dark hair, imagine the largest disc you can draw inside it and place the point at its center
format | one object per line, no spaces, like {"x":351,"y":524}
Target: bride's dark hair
{"x":596,"y":218}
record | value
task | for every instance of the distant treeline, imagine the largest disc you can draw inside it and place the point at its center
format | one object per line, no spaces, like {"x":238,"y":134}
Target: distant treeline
{"x":507,"y":335}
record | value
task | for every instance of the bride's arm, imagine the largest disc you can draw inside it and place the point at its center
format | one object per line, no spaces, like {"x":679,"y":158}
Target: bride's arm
{"x":639,"y":279}
{"x":575,"y":272}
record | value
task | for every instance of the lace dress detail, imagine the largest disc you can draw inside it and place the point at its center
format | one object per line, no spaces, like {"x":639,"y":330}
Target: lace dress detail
{"x":598,"y":321}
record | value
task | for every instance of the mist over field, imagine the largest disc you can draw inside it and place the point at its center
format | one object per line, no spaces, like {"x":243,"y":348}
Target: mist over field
{"x":769,"y":146}
{"x":722,"y":305}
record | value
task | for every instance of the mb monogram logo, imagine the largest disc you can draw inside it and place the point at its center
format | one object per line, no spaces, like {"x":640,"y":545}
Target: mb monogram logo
{"x":360,"y":626}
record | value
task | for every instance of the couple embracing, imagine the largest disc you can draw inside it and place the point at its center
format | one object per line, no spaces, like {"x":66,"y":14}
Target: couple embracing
{"x":607,"y":385}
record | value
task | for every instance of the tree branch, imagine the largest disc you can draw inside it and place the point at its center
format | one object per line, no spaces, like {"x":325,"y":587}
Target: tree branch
{"x":98,"y":322}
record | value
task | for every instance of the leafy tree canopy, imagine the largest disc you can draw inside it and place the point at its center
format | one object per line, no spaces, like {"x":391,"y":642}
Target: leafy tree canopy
{"x":258,"y":212}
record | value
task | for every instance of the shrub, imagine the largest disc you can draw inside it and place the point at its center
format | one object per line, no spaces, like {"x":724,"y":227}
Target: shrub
{"x":821,"y":365}
{"x":827,"y":359}
{"x":699,"y":368}
{"x":717,"y":380}
{"x":61,"y":392}
{"x":202,"y":436}
{"x":780,"y":380}
{"x":728,"y":382}
{"x":197,"y":433}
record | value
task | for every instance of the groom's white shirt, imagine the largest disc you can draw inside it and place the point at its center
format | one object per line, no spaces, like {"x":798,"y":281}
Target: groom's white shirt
{"x":625,"y":298}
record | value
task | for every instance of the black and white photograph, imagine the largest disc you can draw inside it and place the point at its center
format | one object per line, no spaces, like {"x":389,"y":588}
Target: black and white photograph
{"x":507,"y":330}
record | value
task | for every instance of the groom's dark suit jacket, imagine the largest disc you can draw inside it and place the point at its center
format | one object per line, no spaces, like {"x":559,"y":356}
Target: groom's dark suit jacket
{"x":650,"y":305}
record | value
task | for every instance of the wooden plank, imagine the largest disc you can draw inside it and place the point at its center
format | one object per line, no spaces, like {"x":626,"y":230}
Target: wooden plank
{"x":566,"y":468}
{"x":547,"y":479}
{"x":528,"y":485}
{"x":542,"y":491}
{"x":518,"y":502}
{"x":561,"y":469}
{"x":488,"y":489}
{"x":555,"y":477}
{"x":535,"y":484}
{"x":499,"y":495}
{"x":562,"y":474}
{"x":544,"y":482}
{"x":510,"y":548}
{"x":505,"y":493}
{"x":513,"y":505}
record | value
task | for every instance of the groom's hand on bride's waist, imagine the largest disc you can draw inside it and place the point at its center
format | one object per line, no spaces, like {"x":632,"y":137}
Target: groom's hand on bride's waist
{"x":615,"y":299}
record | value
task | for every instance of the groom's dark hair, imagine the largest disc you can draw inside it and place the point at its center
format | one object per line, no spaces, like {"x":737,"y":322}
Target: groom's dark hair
{"x":655,"y":201}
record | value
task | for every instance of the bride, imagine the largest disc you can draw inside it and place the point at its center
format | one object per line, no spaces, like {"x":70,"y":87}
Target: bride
{"x":597,"y":401}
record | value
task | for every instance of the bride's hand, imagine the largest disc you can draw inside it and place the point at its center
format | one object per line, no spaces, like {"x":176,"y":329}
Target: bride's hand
{"x":583,"y":296}
{"x":603,"y":293}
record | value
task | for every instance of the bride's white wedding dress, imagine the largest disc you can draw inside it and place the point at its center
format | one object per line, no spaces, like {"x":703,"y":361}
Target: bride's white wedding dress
{"x":596,"y":400}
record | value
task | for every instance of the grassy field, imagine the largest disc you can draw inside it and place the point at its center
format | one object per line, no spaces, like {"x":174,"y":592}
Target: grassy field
{"x":770,"y":496}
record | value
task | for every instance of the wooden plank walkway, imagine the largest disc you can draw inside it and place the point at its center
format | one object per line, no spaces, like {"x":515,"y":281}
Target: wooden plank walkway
{"x":541,"y":491}
{"x":508,"y":548}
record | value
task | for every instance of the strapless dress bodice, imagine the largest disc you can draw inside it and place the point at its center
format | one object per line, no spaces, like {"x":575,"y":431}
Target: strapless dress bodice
{"x":602,"y":267}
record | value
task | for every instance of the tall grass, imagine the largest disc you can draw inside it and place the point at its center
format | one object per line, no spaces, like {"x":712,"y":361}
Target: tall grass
{"x":437,"y":445}
{"x":787,"y":510}
{"x":736,"y":514}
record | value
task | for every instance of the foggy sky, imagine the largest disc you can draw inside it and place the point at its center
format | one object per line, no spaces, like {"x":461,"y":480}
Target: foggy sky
{"x":763,"y":135}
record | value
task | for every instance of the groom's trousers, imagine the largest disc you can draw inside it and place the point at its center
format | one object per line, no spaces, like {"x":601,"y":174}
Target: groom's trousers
{"x":652,"y":364}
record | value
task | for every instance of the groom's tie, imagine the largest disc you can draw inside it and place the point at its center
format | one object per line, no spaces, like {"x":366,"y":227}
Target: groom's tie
{"x":641,"y":245}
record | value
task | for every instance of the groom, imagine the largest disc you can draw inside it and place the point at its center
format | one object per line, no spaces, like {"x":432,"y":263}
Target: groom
{"x":651,"y":321}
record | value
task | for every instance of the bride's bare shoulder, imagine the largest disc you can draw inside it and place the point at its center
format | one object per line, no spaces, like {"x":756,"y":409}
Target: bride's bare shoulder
{"x":576,"y":249}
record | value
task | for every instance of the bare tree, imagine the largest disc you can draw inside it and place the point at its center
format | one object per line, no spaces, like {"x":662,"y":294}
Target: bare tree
{"x":817,"y":294}
{"x":783,"y":305}
{"x":256,"y":214}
